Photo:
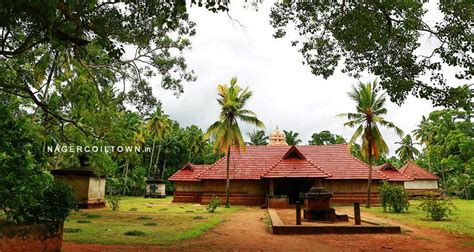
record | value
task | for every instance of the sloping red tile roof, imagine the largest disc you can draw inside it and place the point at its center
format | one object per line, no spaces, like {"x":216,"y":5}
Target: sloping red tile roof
{"x":414,"y":171}
{"x":295,"y":168}
{"x":258,"y":160}
{"x":337,"y":160}
{"x":392,"y":173}
{"x":188,"y":172}
{"x":251,"y":164}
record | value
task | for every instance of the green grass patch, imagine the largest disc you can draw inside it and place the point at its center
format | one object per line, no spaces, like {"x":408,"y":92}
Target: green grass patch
{"x":92,"y":216}
{"x":151,"y":224}
{"x":460,"y":223}
{"x":72,"y":230}
{"x":133,"y":209}
{"x":167,"y":227}
{"x":134,"y":233}
{"x":144,"y":218}
{"x":83,"y":221}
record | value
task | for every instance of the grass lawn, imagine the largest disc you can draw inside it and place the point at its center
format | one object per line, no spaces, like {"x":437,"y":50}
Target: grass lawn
{"x":158,"y":220}
{"x":460,"y":223}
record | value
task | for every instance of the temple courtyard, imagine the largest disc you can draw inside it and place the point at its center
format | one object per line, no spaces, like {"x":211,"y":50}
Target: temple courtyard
{"x":159,"y":224}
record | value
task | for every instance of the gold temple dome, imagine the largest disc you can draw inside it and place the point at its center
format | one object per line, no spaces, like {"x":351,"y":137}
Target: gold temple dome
{"x":277,"y":138}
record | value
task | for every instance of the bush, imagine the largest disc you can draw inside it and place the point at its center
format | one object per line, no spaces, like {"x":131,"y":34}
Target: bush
{"x":213,"y":204}
{"x":28,"y":194}
{"x":393,"y":198}
{"x":114,"y":202}
{"x":436,"y":209}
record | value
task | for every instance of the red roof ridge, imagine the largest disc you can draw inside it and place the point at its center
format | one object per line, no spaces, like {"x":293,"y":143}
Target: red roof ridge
{"x":294,"y":148}
{"x":415,"y":166}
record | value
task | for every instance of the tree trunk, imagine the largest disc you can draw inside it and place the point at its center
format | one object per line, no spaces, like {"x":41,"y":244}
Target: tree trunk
{"x":157,"y":158}
{"x":227,"y":179}
{"x":151,"y":158}
{"x":369,"y":181}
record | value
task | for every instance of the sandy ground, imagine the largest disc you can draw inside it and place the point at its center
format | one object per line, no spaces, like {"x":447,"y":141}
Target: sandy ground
{"x":247,"y":231}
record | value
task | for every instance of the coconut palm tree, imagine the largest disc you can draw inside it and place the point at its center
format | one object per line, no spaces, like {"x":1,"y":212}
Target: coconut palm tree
{"x":407,"y":150}
{"x":424,"y":131}
{"x":292,"y":137}
{"x":257,"y":137}
{"x":158,"y":125}
{"x":226,"y":130}
{"x":367,"y":118}
{"x":197,"y":141}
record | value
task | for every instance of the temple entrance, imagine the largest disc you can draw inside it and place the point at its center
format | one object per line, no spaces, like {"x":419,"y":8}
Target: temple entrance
{"x":292,"y":187}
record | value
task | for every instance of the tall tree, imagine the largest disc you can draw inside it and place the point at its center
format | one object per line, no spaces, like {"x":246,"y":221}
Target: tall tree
{"x":226,"y":130}
{"x":257,"y":137}
{"x":407,"y":150}
{"x":158,"y":125}
{"x":383,"y":39}
{"x":325,"y":137}
{"x":370,"y":107}
{"x":292,"y":137}
{"x":197,"y":141}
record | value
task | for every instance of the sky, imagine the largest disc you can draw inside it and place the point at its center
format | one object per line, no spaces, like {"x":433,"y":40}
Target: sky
{"x":285,"y":93}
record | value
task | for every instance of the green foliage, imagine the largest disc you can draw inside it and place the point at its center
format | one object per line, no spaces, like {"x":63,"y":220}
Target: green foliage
{"x":291,"y":137}
{"x":436,"y":208}
{"x":72,"y":230}
{"x":135,"y":233}
{"x":383,"y":39}
{"x":28,"y":193}
{"x":448,"y":137}
{"x":213,"y":204}
{"x":325,"y":137}
{"x":226,"y":131}
{"x":394,"y":198}
{"x":407,"y":151}
{"x":370,"y":108}
{"x":114,"y":202}
{"x":257,"y":137}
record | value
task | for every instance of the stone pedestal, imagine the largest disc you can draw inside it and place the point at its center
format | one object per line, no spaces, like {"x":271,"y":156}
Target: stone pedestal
{"x":317,"y":208}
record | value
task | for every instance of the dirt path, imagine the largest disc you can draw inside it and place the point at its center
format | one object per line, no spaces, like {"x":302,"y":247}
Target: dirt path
{"x":246,"y":230}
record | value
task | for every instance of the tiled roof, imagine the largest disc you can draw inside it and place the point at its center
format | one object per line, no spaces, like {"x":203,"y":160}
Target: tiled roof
{"x":188,"y":172}
{"x":337,"y":160}
{"x":251,"y":164}
{"x":414,"y":171}
{"x":392,"y":173}
{"x":258,"y":160}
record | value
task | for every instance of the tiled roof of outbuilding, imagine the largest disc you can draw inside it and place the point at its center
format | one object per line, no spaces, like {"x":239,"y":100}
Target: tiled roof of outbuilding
{"x":188,"y":172}
{"x":392,"y":173}
{"x":414,"y":171}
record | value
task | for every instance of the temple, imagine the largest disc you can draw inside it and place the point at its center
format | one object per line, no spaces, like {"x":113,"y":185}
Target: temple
{"x":278,"y":174}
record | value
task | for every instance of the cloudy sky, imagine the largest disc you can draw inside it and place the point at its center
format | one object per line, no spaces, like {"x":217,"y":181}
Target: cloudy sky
{"x":286,"y":94}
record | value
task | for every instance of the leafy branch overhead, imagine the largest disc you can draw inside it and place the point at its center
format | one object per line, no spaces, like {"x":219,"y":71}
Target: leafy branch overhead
{"x":383,"y":38}
{"x":58,"y":52}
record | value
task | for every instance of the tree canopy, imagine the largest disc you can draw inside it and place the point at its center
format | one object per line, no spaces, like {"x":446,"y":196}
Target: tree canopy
{"x":383,"y":38}
{"x":325,"y":137}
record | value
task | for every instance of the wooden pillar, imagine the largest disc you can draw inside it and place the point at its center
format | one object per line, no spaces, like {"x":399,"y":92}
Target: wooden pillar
{"x":298,"y":213}
{"x":357,"y":213}
{"x":272,"y":188}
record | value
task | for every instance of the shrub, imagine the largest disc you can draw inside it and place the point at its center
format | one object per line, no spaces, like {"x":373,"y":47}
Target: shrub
{"x":28,"y":194}
{"x":135,"y":233}
{"x":114,"y":202}
{"x":436,"y":209}
{"x":393,"y":198}
{"x":213,"y":204}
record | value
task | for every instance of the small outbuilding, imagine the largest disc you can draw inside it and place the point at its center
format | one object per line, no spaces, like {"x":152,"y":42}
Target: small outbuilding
{"x":393,"y":175}
{"x":423,"y":181}
{"x":155,"y":188}
{"x":89,"y":189}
